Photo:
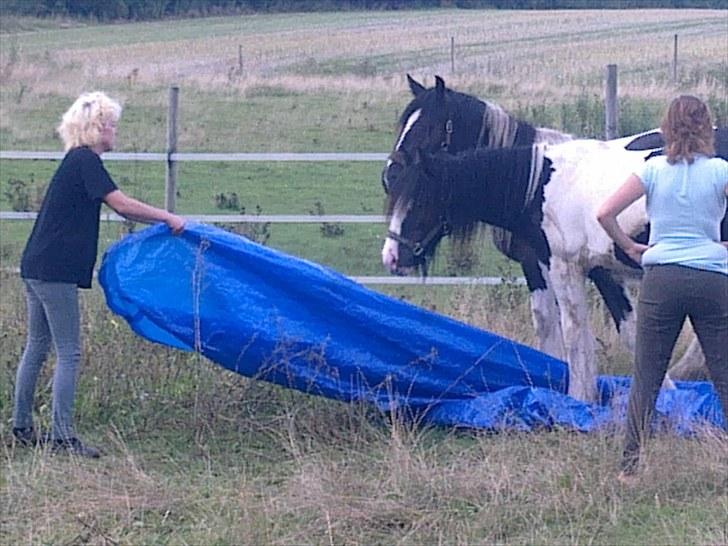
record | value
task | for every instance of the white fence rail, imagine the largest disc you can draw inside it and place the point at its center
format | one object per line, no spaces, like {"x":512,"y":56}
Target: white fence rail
{"x":171,"y":157}
{"x":200,"y":156}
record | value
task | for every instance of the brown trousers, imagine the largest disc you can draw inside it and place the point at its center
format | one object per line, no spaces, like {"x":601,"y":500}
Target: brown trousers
{"x":668,"y":294}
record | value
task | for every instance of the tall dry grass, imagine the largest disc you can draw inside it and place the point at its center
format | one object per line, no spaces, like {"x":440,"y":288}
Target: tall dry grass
{"x":198,"y":455}
{"x":521,"y":57}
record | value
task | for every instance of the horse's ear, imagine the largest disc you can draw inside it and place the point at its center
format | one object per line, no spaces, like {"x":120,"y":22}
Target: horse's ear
{"x":439,"y":86}
{"x":415,"y":86}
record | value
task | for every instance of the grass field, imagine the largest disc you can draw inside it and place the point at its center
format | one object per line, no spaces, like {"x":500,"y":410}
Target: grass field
{"x":197,"y":455}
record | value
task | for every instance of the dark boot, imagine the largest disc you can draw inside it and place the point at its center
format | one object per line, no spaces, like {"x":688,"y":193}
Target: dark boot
{"x":26,"y":436}
{"x":74,"y":446}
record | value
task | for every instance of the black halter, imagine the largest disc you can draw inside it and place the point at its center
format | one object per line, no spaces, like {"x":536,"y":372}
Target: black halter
{"x":418,"y":247}
{"x":448,"y":135}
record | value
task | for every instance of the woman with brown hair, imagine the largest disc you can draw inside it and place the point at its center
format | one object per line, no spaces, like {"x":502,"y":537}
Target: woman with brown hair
{"x":685,"y":264}
{"x":59,"y":258}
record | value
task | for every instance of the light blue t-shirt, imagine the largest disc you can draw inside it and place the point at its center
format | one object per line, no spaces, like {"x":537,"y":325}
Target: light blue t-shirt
{"x":685,"y":205}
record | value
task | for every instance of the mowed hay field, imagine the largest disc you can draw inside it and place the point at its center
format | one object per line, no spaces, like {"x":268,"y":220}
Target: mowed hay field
{"x":198,"y":455}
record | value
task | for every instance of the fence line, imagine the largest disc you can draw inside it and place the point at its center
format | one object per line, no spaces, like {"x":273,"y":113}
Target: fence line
{"x":238,"y":218}
{"x":203,"y":156}
{"x":399,"y":281}
{"x":309,"y":219}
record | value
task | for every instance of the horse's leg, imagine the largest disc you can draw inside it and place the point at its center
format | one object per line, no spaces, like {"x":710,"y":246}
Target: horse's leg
{"x":544,"y":309}
{"x":691,"y":366}
{"x":569,"y":285}
{"x":619,"y":304}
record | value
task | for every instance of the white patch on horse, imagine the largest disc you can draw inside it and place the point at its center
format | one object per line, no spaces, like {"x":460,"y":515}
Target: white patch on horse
{"x":407,"y":128}
{"x":551,"y":136}
{"x":546,"y":323}
{"x":585,"y":173}
{"x":534,"y":177}
{"x":390,"y":250}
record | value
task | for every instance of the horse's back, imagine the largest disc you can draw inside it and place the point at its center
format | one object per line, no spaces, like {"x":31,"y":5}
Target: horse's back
{"x":585,"y":173}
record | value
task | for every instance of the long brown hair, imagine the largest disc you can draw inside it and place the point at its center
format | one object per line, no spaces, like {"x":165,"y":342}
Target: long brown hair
{"x":688,"y":129}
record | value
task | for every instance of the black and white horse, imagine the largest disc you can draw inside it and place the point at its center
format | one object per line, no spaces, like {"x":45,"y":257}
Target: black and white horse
{"x":441,"y":119}
{"x":547,"y":197}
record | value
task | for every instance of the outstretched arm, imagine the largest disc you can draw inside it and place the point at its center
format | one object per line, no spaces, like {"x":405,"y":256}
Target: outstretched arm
{"x":131,"y":208}
{"x":625,"y":195}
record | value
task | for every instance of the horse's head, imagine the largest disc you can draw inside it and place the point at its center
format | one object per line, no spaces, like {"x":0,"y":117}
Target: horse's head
{"x":428,"y":124}
{"x":417,"y":207}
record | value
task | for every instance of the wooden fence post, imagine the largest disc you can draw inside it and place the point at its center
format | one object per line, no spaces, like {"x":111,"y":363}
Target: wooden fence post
{"x":170,"y":182}
{"x":611,"y":109}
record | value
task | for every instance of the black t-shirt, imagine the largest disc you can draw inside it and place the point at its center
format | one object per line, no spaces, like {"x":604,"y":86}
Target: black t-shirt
{"x":63,"y":244}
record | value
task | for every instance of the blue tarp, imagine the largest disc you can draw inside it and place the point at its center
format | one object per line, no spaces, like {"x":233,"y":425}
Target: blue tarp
{"x":270,"y":316}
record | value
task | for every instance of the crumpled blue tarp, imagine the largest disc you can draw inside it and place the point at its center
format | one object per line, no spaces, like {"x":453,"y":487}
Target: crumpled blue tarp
{"x":270,"y":316}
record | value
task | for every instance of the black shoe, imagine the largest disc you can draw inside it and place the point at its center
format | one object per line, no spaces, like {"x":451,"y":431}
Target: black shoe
{"x":26,"y":436}
{"x":74,"y":446}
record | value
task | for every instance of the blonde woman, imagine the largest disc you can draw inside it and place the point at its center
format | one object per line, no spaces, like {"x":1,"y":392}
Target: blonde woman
{"x":686,"y":265}
{"x":59,"y":258}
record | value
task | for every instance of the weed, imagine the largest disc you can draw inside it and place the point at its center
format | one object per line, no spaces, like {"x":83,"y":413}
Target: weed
{"x":255,"y":231}
{"x":227,"y":201}
{"x":24,"y":196}
{"x":328,"y":229}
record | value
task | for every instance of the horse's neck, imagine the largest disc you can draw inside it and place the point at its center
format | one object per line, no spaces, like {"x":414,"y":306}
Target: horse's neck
{"x":551,"y":136}
{"x":508,"y":182}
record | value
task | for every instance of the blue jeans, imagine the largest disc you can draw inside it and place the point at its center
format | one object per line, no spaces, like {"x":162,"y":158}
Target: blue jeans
{"x":53,"y":315}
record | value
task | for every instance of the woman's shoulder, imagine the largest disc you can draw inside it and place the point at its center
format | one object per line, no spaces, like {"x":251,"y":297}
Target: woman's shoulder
{"x":82,"y":152}
{"x":657,"y":161}
{"x":654,"y":165}
{"x":717,"y":161}
{"x":717,"y":165}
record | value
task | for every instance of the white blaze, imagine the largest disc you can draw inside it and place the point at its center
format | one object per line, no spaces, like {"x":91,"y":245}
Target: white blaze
{"x":390,"y":250}
{"x":407,"y":128}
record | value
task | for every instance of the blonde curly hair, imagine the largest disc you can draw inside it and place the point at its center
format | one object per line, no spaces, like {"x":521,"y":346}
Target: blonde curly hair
{"x":84,"y":121}
{"x":688,"y":129}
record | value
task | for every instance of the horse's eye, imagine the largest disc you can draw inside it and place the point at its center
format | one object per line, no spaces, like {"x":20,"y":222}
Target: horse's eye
{"x":443,"y":145}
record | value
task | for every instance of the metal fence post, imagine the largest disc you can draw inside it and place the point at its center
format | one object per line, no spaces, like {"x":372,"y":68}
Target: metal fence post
{"x":611,"y":109}
{"x":674,"y":61}
{"x":452,"y":54}
{"x":170,"y":182}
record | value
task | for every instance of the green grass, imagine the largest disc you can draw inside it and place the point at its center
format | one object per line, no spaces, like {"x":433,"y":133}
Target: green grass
{"x":196,"y":454}
{"x":311,"y":188}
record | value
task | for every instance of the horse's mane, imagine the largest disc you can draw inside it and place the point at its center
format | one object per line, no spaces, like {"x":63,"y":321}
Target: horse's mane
{"x":502,"y":127}
{"x":497,"y":186}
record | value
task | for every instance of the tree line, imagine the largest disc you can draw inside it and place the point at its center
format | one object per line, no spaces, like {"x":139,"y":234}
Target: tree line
{"x":140,"y":10}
